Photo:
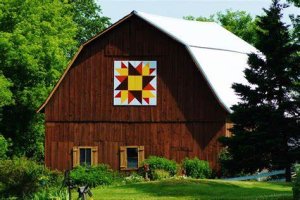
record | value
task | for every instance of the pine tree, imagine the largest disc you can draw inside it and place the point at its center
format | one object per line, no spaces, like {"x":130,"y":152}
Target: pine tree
{"x":266,"y":118}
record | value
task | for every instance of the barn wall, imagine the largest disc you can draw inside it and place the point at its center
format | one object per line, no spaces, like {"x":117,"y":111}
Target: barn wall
{"x":171,"y":140}
{"x":86,"y":93}
{"x":186,"y":121}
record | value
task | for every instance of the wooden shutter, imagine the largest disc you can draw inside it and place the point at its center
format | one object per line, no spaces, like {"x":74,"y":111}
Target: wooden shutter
{"x":75,"y":156}
{"x":123,"y":157}
{"x":141,"y":155}
{"x":94,"y":155}
{"x":228,"y":126}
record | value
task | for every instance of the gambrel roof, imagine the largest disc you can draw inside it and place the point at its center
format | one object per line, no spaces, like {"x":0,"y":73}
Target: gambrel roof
{"x":220,"y":55}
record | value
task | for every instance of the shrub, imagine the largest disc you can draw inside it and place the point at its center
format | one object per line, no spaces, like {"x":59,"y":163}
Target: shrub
{"x":134,"y":178}
{"x":155,"y":162}
{"x":159,"y":174}
{"x":225,"y":159}
{"x":296,"y":187}
{"x":94,"y":175}
{"x":20,"y":177}
{"x":196,"y":168}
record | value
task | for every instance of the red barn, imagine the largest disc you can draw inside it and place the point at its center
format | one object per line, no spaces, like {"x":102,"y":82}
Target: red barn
{"x":147,"y":85}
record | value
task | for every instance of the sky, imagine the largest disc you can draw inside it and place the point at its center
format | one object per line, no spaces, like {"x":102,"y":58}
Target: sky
{"x":116,"y":9}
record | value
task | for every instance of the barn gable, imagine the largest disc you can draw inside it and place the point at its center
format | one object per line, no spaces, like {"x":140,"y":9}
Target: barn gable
{"x":219,"y":55}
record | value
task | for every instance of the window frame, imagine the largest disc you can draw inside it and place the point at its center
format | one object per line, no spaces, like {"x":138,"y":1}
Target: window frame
{"x":76,"y":155}
{"x":123,"y":153}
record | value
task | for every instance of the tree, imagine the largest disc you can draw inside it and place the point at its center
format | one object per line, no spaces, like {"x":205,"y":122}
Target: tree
{"x":87,"y":16}
{"x":37,"y":39}
{"x":267,"y":117}
{"x":238,"y":22}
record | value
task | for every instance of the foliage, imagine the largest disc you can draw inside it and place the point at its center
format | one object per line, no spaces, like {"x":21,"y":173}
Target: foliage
{"x":296,"y":186}
{"x":5,"y":93}
{"x":196,"y":168}
{"x":94,"y":175}
{"x":160,"y":174}
{"x":238,"y":22}
{"x":21,"y":177}
{"x":37,"y":39}
{"x":225,"y":158}
{"x":87,"y":16}
{"x":265,"y":118}
{"x":155,"y":162}
{"x":188,"y":189}
{"x":53,"y":193}
{"x":4,"y":144}
{"x":133,"y":178}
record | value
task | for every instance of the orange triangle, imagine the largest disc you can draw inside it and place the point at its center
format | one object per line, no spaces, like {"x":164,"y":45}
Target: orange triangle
{"x":147,"y":100}
{"x":121,"y":78}
{"x":123,"y":65}
{"x":151,"y":70}
{"x":149,"y":87}
{"x":130,"y":97}
{"x":118,"y":95}
{"x":139,"y":68}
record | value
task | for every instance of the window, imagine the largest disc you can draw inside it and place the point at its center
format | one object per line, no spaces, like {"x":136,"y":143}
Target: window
{"x":131,"y":157}
{"x":85,"y":155}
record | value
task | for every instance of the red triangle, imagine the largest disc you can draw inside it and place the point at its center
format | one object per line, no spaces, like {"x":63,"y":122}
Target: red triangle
{"x":130,"y":97}
{"x":139,"y":68}
{"x":149,"y":87}
{"x":118,"y":95}
{"x":123,"y":65}
{"x":121,"y":78}
{"x":147,"y":100}
{"x":151,"y":70}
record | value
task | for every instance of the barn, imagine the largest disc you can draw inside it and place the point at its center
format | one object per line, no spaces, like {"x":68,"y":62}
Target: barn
{"x":147,"y":85}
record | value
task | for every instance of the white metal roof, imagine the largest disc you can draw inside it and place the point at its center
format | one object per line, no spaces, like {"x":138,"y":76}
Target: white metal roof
{"x":219,"y":54}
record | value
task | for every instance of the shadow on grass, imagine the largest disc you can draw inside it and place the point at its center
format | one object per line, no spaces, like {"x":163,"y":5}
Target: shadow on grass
{"x":205,"y":189}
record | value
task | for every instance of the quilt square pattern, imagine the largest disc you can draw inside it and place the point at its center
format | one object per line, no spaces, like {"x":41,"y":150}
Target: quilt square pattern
{"x":135,"y":83}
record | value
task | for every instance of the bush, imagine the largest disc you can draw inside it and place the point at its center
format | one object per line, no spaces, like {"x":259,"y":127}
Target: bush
{"x":296,"y":187}
{"x":225,"y":159}
{"x":21,"y":177}
{"x":134,"y":178}
{"x":160,"y":174}
{"x":155,"y":162}
{"x":196,"y":168}
{"x":94,"y":175}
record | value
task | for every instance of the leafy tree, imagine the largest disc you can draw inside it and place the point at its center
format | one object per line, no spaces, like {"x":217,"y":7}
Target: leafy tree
{"x":37,"y":39}
{"x":238,"y":22}
{"x":265,"y":120}
{"x":87,"y":16}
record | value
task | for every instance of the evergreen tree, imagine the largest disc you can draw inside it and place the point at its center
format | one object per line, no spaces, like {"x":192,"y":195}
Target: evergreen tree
{"x":265,"y":120}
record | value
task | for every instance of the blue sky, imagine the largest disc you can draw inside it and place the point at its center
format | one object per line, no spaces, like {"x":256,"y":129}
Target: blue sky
{"x":116,"y":9}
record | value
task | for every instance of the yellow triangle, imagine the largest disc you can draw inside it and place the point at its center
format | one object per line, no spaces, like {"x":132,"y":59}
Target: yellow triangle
{"x":146,"y":69}
{"x":147,"y":94}
{"x":124,"y":96}
{"x":122,"y":71}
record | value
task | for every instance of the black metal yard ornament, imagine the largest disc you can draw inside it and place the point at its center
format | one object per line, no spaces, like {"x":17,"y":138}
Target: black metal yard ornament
{"x":83,"y":192}
{"x":146,"y":170}
{"x":68,"y":183}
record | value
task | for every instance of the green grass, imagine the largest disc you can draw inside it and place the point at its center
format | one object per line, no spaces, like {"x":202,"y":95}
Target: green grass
{"x":196,"y":189}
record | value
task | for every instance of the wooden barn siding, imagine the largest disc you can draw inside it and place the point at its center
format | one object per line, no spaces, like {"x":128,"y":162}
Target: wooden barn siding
{"x":172,"y":140}
{"x":86,"y":93}
{"x":186,"y":121}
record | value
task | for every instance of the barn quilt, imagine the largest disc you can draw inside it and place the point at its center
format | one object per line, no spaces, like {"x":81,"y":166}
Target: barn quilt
{"x":135,"y":83}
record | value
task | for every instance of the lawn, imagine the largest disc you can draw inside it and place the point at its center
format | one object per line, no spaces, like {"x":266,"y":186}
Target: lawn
{"x":196,"y":189}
